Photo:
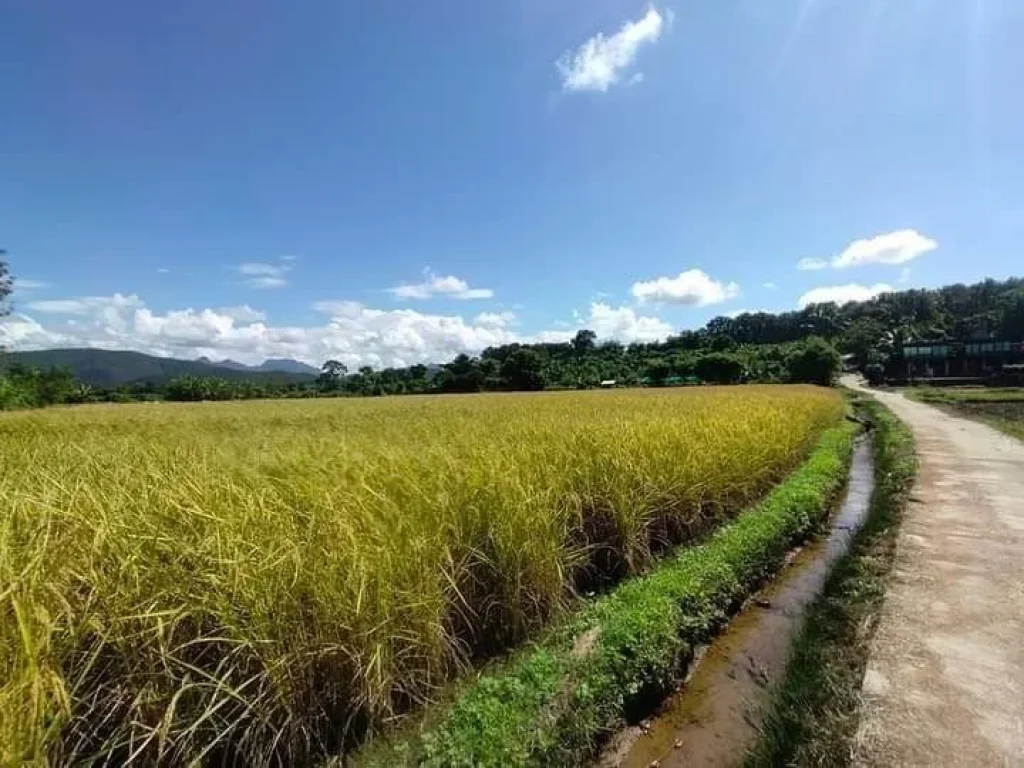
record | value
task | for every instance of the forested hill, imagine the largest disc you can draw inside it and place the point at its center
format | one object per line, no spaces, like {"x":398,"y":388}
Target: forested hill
{"x":109,"y":368}
{"x":991,"y":309}
{"x":986,"y":310}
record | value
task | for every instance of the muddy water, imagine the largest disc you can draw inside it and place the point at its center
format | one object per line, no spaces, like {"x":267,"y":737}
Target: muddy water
{"x":713,"y":719}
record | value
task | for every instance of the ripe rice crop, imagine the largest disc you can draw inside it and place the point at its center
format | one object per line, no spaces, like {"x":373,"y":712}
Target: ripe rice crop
{"x":259,"y":582}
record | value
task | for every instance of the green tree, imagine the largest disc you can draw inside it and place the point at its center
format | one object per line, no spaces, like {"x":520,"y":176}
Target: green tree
{"x":523,"y":370}
{"x":813,"y":361}
{"x":719,"y":368}
{"x":583,"y":342}
{"x":331,"y":374}
{"x":658,"y":369}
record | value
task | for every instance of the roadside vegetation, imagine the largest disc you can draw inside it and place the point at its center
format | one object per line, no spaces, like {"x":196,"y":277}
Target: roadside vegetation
{"x":815,"y":711}
{"x":232,"y":582}
{"x":999,"y":408}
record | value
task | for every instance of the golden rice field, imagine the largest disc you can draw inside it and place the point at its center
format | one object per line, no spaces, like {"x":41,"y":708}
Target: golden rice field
{"x":260,"y":582}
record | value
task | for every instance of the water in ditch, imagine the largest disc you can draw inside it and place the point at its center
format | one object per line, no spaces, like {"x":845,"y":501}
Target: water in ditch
{"x":714,"y":718}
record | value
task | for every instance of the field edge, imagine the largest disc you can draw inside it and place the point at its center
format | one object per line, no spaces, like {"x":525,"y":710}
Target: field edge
{"x":556,"y":702}
{"x":813,"y":715}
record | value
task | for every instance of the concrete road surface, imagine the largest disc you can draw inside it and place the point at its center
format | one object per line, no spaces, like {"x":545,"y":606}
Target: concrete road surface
{"x":945,"y":681}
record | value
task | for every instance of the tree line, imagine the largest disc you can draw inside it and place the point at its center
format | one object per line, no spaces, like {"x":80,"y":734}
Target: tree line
{"x":800,"y":346}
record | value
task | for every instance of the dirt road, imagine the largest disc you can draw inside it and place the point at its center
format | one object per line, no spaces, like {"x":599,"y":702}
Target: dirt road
{"x":945,"y":680}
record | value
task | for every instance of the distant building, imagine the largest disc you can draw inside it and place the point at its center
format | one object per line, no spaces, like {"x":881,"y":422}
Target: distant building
{"x":946,"y":359}
{"x":608,"y":383}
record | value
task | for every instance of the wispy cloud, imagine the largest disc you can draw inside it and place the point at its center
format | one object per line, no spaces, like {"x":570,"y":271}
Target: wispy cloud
{"x":811,"y":264}
{"x":600,"y":62}
{"x":259,"y":274}
{"x":433,"y":285}
{"x":904,"y":276}
{"x":495,"y":319}
{"x":692,"y":288}
{"x":24,"y":284}
{"x":85,"y":305}
{"x":897,"y":247}
{"x":769,"y":285}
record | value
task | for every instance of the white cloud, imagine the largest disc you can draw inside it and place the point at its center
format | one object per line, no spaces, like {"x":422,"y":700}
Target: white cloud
{"x":24,"y":284}
{"x":692,"y":288}
{"x":266,"y":281}
{"x":904,"y":276}
{"x":891,"y":248}
{"x":163,"y":271}
{"x":260,"y":274}
{"x":351,"y":332}
{"x":22,"y":332}
{"x":495,"y":319}
{"x":841,"y":294}
{"x":86,"y":305}
{"x":810,"y":264}
{"x":624,"y":324}
{"x":769,"y":285}
{"x":448,"y":286}
{"x":600,"y":61}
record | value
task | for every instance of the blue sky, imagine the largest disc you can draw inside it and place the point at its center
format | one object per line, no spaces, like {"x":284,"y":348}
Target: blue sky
{"x":394,"y":182}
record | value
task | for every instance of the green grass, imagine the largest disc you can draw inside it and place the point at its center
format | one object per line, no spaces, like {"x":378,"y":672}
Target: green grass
{"x":555,"y":705}
{"x":269,"y":582}
{"x":999,"y":408}
{"x":815,"y":709}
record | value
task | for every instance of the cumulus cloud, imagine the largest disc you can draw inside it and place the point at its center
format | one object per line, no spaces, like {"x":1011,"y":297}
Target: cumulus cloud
{"x":841,"y":294}
{"x":260,"y":274}
{"x":601,"y":61}
{"x":447,"y":286}
{"x":351,"y":332}
{"x":624,"y":324}
{"x":891,"y":248}
{"x":691,"y":288}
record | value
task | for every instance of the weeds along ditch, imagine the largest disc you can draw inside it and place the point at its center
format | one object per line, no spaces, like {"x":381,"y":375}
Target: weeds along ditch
{"x":269,"y":582}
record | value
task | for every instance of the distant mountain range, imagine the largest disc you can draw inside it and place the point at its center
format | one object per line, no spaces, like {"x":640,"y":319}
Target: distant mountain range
{"x":273,"y":365}
{"x":108,"y":368}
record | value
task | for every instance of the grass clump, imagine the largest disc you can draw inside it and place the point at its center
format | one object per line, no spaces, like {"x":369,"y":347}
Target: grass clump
{"x":267,"y":583}
{"x":556,"y":704}
{"x":814,"y":715}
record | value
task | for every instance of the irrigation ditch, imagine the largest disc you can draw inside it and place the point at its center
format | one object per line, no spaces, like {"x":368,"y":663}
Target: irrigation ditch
{"x":714,"y":718}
